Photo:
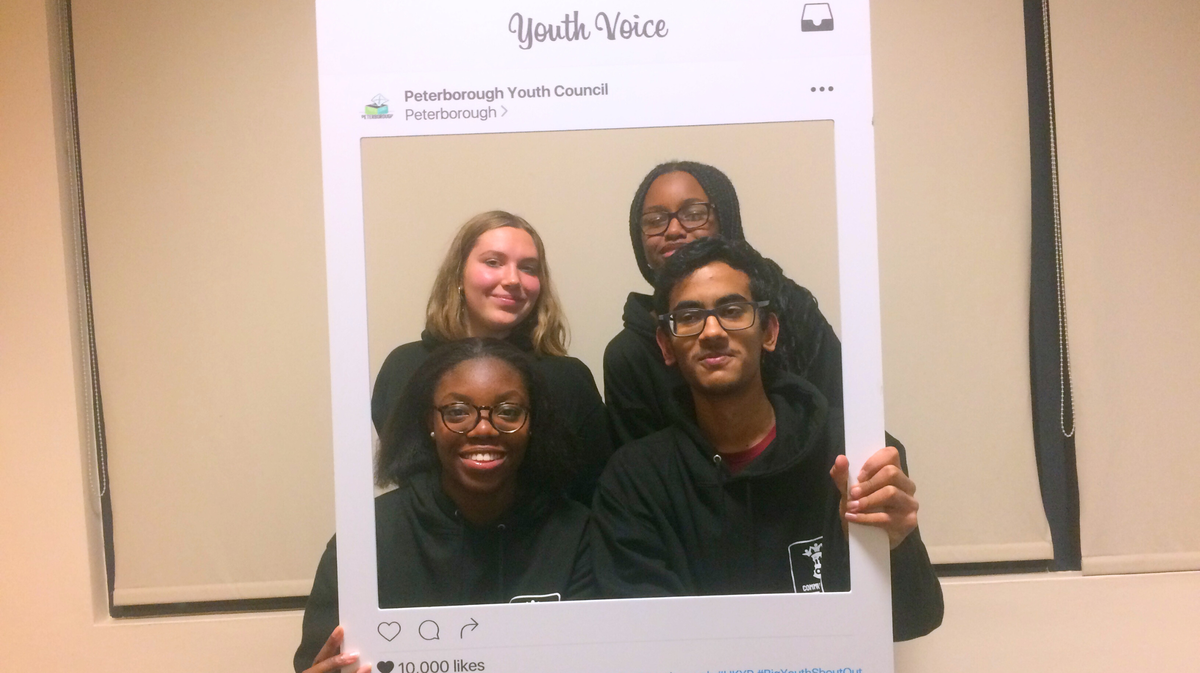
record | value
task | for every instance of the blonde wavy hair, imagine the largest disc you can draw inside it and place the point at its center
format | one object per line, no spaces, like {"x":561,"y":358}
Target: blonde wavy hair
{"x":445,"y":315}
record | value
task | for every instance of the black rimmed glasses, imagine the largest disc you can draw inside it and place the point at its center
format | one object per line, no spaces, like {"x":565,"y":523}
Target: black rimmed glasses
{"x":732,"y":317}
{"x":461,"y":417}
{"x":691,"y":217}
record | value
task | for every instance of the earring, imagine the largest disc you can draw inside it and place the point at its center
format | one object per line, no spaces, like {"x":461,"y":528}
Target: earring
{"x":431,"y":434}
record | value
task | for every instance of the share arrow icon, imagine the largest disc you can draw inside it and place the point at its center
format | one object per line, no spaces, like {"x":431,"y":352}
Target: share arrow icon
{"x":473,"y":623}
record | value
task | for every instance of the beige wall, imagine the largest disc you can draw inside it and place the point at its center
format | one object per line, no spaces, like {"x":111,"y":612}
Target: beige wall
{"x":51,"y":586}
{"x":205,"y":234}
{"x":201,"y":160}
{"x":1062,"y":623}
{"x":1129,"y":149}
{"x":581,"y":209}
{"x":952,"y":166}
{"x":47,"y":610}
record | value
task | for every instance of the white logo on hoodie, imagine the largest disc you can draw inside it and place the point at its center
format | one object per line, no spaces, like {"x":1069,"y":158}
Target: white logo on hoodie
{"x":805,"y":560}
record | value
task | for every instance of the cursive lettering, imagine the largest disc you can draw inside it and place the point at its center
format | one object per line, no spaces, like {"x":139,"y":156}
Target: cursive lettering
{"x":627,"y":29}
{"x":528,"y":31}
{"x":570,"y":28}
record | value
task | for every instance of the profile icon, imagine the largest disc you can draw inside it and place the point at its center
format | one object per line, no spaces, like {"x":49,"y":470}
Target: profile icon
{"x":816,"y":17}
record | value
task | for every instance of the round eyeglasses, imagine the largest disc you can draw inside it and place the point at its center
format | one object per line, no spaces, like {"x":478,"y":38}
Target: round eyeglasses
{"x":732,"y":317}
{"x":691,"y":217}
{"x":461,"y":417}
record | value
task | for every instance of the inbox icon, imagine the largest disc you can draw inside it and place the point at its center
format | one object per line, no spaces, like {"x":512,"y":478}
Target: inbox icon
{"x":816,"y":17}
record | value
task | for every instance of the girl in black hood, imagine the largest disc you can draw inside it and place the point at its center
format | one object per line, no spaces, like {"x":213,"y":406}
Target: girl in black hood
{"x":480,"y":514}
{"x":676,"y":203}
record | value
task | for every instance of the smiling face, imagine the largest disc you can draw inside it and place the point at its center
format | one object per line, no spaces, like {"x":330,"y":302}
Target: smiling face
{"x":669,"y":193}
{"x":500,"y":281}
{"x":717,"y":362}
{"x":479,"y":468}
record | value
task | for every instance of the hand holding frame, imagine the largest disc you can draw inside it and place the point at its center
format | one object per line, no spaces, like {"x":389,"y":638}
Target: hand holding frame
{"x":884,"y":496}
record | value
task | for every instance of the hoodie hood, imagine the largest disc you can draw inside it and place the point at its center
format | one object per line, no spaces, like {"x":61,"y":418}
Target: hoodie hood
{"x":519,"y":338}
{"x":437,"y":510}
{"x":729,"y":533}
{"x":802,"y":421}
{"x":668,"y":520}
{"x":638,"y":316}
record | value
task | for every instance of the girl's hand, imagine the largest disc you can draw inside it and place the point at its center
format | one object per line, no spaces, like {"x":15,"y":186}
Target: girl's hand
{"x":330,"y":659}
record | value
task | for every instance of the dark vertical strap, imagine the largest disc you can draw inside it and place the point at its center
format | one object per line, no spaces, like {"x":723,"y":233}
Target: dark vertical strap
{"x":1049,"y":358}
{"x":91,"y":368}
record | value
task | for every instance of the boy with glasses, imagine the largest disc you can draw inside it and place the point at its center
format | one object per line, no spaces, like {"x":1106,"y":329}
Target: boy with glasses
{"x":676,"y":203}
{"x":740,"y":494}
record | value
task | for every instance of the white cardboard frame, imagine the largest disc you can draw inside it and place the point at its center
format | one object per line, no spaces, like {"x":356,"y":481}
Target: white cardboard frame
{"x":757,"y":65}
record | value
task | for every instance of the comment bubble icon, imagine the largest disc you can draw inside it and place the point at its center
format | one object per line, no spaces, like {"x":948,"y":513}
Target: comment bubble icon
{"x":429,"y":630}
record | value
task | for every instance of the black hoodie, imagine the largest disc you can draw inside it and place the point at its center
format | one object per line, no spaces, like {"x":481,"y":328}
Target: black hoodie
{"x":670,"y":520}
{"x":576,"y":401}
{"x":427,"y":554}
{"x":637,"y":383}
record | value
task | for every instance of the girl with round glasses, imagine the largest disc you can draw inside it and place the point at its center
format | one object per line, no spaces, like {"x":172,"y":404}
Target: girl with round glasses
{"x":495,"y":282}
{"x":679,"y":202}
{"x":480,"y":514}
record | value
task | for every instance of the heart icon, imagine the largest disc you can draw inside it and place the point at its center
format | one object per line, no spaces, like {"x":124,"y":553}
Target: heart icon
{"x":389,"y":630}
{"x":385,"y":666}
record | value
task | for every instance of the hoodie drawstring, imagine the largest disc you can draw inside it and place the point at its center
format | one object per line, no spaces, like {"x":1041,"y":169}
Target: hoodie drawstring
{"x":500,"y":552}
{"x":726,"y":532}
{"x":753,"y":524}
{"x":462,"y":554}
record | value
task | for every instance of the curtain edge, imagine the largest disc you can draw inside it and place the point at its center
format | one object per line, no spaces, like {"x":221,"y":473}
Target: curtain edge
{"x":212,"y":592}
{"x":991,"y":553}
{"x":1130,"y":564}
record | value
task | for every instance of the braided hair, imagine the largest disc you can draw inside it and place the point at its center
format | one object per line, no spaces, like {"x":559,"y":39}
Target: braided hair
{"x":720,"y":194}
{"x":803,"y":330}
